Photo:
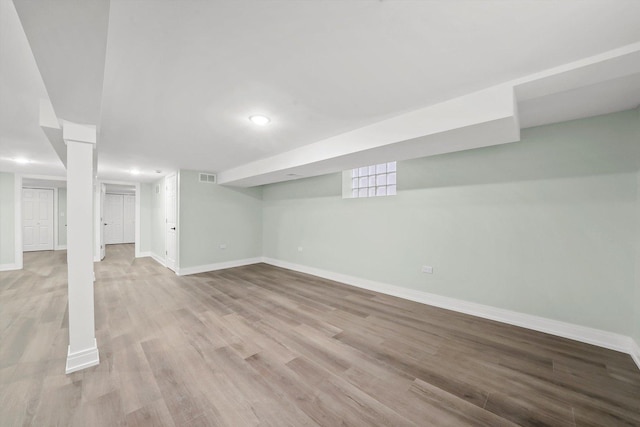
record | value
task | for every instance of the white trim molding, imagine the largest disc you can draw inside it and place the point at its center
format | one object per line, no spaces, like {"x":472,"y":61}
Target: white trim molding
{"x":635,"y":352}
{"x":143,"y":254}
{"x":584,"y":334}
{"x":157,"y":258}
{"x":82,"y":359}
{"x":60,"y":248}
{"x":217,"y":266}
{"x":137,"y":225}
{"x":17,"y":238}
{"x":9,"y":267}
{"x":56,"y":213}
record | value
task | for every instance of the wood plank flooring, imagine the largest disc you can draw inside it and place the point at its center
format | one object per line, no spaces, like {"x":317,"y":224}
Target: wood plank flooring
{"x":264,"y":346}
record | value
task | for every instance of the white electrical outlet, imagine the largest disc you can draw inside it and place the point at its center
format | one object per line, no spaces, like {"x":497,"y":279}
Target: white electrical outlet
{"x":223,"y":246}
{"x":427,"y":269}
{"x":299,"y":248}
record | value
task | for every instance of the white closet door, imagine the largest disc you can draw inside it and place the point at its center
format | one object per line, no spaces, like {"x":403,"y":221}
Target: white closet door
{"x":129,"y":218}
{"x":171,"y":207}
{"x":113,"y":218}
{"x":37,"y":219}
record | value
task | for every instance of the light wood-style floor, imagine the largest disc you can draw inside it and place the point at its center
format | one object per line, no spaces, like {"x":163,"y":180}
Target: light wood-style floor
{"x":260,"y":345}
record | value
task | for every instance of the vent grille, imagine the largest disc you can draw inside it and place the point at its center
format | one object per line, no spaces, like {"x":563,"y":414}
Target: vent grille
{"x":209,"y":178}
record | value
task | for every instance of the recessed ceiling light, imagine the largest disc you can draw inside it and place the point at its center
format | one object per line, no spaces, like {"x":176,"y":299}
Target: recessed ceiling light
{"x":260,"y":120}
{"x":21,"y":160}
{"x":134,"y":172}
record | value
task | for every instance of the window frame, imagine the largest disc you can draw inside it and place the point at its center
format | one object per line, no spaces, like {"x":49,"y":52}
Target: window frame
{"x":377,"y":180}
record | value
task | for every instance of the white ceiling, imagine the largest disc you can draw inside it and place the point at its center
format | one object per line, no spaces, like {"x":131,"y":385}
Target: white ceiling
{"x":181,"y":78}
{"x":21,"y":89}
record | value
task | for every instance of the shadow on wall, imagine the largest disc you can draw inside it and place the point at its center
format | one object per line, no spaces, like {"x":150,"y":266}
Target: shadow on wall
{"x":250,"y":192}
{"x":596,"y":146}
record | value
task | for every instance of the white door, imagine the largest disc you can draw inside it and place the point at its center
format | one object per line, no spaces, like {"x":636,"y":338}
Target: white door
{"x":37,"y":219}
{"x":171,"y":215}
{"x":129,"y":219}
{"x":113,"y":219}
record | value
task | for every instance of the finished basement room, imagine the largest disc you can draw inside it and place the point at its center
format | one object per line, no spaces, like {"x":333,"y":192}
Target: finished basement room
{"x":287,"y":213}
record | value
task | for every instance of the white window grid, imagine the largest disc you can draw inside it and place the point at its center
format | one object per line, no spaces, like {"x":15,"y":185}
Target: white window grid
{"x":373,"y":181}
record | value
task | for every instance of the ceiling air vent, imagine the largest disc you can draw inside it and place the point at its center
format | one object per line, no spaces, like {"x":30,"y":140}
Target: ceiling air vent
{"x":208,"y":178}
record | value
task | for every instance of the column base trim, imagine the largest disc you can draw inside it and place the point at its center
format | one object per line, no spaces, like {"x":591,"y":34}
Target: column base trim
{"x":82,"y":359}
{"x":10,"y":267}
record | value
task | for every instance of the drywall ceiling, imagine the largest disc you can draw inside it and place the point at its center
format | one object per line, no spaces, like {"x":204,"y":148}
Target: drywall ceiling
{"x":181,"y":78}
{"x":68,"y":40}
{"x":21,"y":89}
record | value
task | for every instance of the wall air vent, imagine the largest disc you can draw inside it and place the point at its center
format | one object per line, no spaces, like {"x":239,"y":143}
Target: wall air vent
{"x":209,"y":178}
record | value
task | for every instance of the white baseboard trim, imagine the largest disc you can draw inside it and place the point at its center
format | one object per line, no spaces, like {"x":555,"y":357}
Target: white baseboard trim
{"x":82,"y":359}
{"x":60,"y":248}
{"x":584,"y":334}
{"x":635,"y":352}
{"x":9,"y":267}
{"x":144,"y":254}
{"x":158,"y":259}
{"x":217,"y":266}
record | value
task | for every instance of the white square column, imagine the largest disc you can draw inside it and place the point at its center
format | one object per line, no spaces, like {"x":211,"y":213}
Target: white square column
{"x":83,"y":348}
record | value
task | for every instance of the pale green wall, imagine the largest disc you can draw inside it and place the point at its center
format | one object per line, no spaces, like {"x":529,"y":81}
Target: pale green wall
{"x":7,"y":215}
{"x":543,"y":226}
{"x":146,"y":194}
{"x":211,"y":215}
{"x":157,"y":214}
{"x":62,"y":216}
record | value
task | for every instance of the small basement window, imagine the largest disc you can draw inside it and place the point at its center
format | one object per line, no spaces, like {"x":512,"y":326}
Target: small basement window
{"x":372,"y":181}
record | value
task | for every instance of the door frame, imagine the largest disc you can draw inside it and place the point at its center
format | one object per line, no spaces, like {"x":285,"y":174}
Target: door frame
{"x":102,"y":188}
{"x":18,"y":214}
{"x":18,"y":258}
{"x":123,"y":195}
{"x":108,"y":198}
{"x":17,"y":222}
{"x":176,"y":268}
{"x":18,"y":180}
{"x":56,"y":244}
{"x":99,"y":241}
{"x":17,"y":242}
